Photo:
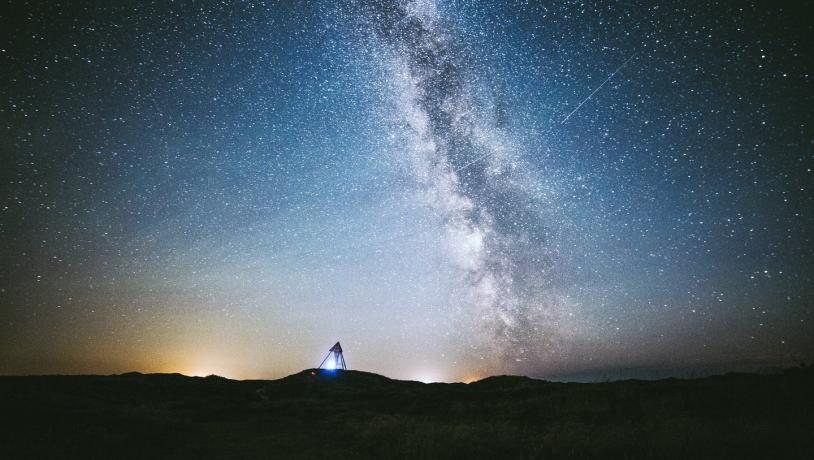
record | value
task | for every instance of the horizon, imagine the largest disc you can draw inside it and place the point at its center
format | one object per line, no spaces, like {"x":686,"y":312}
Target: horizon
{"x":453,"y":190}
{"x":611,"y":375}
{"x":584,"y":376}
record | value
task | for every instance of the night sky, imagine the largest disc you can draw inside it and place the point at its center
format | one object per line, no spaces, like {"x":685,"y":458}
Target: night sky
{"x":452,"y":189}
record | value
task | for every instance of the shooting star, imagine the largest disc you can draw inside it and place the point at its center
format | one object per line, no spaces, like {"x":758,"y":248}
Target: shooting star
{"x":489,"y":153}
{"x":597,"y":89}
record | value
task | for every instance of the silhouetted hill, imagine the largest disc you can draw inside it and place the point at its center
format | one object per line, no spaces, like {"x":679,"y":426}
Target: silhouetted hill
{"x":357,"y":380}
{"x":352,"y":414}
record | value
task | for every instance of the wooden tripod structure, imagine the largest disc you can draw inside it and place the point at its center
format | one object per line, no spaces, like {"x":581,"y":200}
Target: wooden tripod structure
{"x":338,"y":359}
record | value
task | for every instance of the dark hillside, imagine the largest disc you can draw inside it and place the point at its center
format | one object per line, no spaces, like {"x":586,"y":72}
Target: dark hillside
{"x":353,"y":414}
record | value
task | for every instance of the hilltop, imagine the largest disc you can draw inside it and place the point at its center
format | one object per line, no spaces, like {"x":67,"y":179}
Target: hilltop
{"x":352,"y":414}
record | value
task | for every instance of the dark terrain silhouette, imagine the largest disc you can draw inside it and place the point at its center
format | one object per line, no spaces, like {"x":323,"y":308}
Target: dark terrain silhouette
{"x":351,"y":414}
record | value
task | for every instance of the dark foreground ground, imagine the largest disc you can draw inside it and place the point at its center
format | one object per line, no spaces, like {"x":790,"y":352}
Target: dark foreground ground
{"x":360,"y":415}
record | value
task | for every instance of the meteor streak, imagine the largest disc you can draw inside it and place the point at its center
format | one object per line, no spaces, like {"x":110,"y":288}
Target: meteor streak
{"x":597,"y":89}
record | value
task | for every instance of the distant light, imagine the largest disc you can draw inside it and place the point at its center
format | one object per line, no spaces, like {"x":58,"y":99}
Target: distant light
{"x":426,"y":378}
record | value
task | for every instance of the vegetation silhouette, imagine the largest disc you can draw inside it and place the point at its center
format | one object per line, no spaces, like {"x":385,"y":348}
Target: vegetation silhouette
{"x":352,"y":414}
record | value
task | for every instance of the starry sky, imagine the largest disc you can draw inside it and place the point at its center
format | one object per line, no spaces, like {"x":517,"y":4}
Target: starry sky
{"x":452,"y":189}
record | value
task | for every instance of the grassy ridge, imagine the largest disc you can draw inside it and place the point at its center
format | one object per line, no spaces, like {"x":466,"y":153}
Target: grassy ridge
{"x":360,"y":415}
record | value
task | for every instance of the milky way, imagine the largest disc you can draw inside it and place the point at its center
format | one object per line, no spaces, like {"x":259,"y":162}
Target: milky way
{"x":452,"y":189}
{"x":470,"y":173}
